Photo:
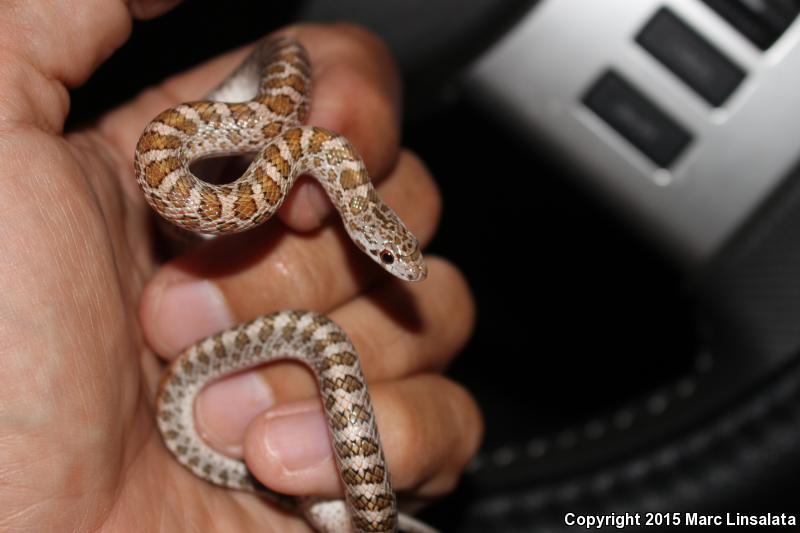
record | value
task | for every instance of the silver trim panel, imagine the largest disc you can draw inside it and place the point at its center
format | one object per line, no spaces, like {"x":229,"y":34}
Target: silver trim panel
{"x":536,"y":76}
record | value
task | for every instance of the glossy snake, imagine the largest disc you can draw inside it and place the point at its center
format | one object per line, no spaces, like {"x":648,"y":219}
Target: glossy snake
{"x":270,"y":123}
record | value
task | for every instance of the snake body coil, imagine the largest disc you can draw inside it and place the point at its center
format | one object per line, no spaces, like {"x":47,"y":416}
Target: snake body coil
{"x":278,"y":73}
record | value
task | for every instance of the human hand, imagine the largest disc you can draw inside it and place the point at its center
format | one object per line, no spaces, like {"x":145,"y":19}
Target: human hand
{"x":78,"y":445}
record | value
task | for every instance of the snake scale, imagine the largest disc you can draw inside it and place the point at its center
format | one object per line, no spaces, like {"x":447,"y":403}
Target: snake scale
{"x":278,"y":73}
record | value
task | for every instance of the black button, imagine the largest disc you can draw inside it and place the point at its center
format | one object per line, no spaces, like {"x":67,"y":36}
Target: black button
{"x":761,"y":21}
{"x":704,"y":68}
{"x":640,"y":121}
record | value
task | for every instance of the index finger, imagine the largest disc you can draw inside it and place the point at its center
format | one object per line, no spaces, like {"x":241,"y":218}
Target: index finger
{"x":356,"y":93}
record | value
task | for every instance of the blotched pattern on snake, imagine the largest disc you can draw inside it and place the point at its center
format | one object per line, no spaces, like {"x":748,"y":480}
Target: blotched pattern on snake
{"x":278,"y":73}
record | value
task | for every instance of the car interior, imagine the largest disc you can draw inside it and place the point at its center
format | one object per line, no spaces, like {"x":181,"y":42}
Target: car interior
{"x":621,"y":189}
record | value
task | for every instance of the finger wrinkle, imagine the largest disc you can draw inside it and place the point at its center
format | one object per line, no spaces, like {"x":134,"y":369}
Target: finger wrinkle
{"x":28,"y":97}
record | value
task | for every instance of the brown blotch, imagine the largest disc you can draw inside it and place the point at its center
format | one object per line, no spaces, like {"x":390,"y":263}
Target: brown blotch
{"x":273,"y":154}
{"x":292,"y":140}
{"x":156,"y":171}
{"x":317,"y":138}
{"x":294,"y":81}
{"x":315,"y":324}
{"x":363,"y":447}
{"x":370,"y":475}
{"x":219,"y":348}
{"x":341,"y":358}
{"x":330,"y":402}
{"x":272,"y":129}
{"x":166,"y":397}
{"x":234,"y":137}
{"x":242,"y":340}
{"x":376,"y":502}
{"x":332,"y":338}
{"x":339,"y":420}
{"x":288,"y":330}
{"x":171,"y":434}
{"x":188,"y":366}
{"x":358,"y":414}
{"x":270,"y":189}
{"x":266,"y":331}
{"x":275,"y":69}
{"x":245,"y":205}
{"x":210,"y":204}
{"x":350,"y":179}
{"x":152,"y":140}
{"x":207,"y":111}
{"x":182,"y":188}
{"x":241,"y":112}
{"x":280,"y":104}
{"x":349,"y":383}
{"x":175,"y":119}
{"x":354,"y":415}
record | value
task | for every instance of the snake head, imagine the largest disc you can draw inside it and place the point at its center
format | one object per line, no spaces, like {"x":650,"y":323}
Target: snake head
{"x":386,"y":240}
{"x":403,"y":259}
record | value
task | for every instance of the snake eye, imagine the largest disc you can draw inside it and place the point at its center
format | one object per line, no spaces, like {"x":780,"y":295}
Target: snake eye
{"x":386,"y":257}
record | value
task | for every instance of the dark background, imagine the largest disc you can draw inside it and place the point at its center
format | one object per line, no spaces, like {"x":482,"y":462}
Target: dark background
{"x":578,"y":314}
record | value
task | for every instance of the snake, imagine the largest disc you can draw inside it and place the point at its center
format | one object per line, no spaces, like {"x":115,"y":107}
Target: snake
{"x":261,"y":108}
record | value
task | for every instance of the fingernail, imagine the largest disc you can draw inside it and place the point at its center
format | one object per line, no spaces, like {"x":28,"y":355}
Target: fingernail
{"x":187,"y":312}
{"x":298,"y":440}
{"x":225,"y":409}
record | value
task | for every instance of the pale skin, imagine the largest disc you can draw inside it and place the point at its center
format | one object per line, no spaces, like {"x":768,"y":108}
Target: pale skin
{"x":88,"y":315}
